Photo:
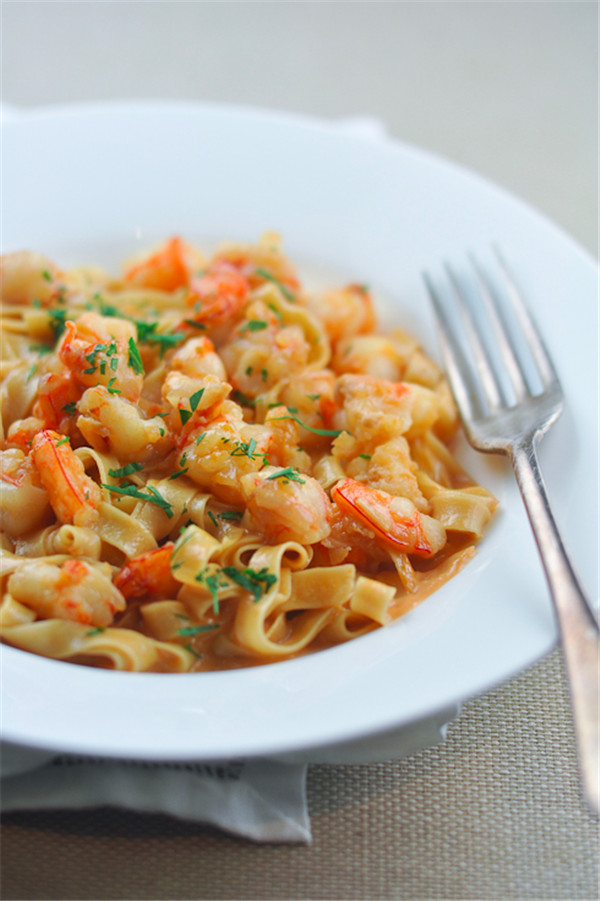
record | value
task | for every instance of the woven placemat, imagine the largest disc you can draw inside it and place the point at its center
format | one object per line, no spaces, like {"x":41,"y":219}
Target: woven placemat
{"x":493,"y":812}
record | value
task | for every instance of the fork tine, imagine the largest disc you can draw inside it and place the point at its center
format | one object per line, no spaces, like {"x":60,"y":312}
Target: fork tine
{"x":464,"y":386}
{"x":530,"y":330}
{"x":491,"y":384}
{"x":514,"y":370}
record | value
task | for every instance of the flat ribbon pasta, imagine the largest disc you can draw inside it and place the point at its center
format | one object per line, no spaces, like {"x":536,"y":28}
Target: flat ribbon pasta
{"x":205,"y":465}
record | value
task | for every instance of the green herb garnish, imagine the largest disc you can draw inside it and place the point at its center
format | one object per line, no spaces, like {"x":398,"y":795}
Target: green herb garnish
{"x":125,"y":470}
{"x":152,"y":496}
{"x":257,"y":582}
{"x":57,"y":322}
{"x":289,"y":473}
{"x":197,"y":630}
{"x":263,"y":273}
{"x":134,"y":360}
{"x":254,"y":325}
{"x":333,"y":433}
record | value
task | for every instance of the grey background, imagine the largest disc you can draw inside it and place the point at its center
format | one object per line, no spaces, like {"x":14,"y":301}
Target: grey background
{"x":509,"y":89}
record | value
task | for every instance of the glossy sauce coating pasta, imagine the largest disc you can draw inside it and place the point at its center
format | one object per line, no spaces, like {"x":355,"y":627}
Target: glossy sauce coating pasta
{"x":204,"y":466}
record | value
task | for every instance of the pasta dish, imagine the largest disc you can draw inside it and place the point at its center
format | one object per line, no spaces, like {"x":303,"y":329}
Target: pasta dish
{"x":206,"y":466}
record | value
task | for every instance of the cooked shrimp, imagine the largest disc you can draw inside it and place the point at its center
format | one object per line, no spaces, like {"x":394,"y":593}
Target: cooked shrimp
{"x":223,"y":450}
{"x":312,"y":395}
{"x":27,"y":277}
{"x":166,"y":269}
{"x":286,"y":505}
{"x":58,"y":393}
{"x":390,"y":468}
{"x":74,"y":497}
{"x":21,"y":432}
{"x":193,"y":397}
{"x":375,"y":410}
{"x":344,"y":311}
{"x":23,"y":500}
{"x":263,"y":262}
{"x":112,"y":424}
{"x":148,"y":574}
{"x":102,"y":350}
{"x":394,"y":521}
{"x":372,"y":355}
{"x":217,"y":296}
{"x":198,"y":357}
{"x":262,"y":351}
{"x":77,"y":591}
{"x":284,"y":444}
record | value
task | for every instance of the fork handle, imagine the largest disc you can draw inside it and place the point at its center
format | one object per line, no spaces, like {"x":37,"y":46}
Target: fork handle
{"x":577,"y":626}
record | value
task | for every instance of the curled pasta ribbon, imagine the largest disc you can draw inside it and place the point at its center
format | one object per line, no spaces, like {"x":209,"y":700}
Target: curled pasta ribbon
{"x":120,"y":649}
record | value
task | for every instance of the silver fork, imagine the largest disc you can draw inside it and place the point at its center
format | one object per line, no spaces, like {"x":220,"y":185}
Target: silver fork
{"x":508,"y":395}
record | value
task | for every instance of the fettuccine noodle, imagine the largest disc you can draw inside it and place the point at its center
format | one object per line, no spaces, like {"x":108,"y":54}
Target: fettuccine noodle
{"x":205,"y":466}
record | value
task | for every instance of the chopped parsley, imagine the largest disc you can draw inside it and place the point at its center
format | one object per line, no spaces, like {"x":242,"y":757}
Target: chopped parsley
{"x":257,"y":582}
{"x":147,"y":334}
{"x":230,"y":515}
{"x":110,"y":387}
{"x":151,"y":495}
{"x":40,"y":348}
{"x":213,"y":583}
{"x":125,"y":470}
{"x":197,"y":630}
{"x":243,"y":400}
{"x":134,"y":360}
{"x":263,"y":273}
{"x":180,"y":472}
{"x":195,"y":398}
{"x":104,"y":308}
{"x":289,"y":474}
{"x":70,"y":409}
{"x":242,"y":449}
{"x":254,"y":325}
{"x":57,"y":322}
{"x":333,"y":433}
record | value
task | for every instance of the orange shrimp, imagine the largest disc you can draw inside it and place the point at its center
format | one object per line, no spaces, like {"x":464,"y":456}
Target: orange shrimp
{"x":74,"y":497}
{"x":77,"y":591}
{"x":164,"y":270}
{"x":57,"y":394}
{"x":395,"y":521}
{"x":98,"y":351}
{"x":218,"y":294}
{"x":149,"y":574}
{"x":21,"y":432}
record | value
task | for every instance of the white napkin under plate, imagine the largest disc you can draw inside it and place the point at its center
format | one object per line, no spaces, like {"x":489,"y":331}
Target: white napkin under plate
{"x":263,"y":800}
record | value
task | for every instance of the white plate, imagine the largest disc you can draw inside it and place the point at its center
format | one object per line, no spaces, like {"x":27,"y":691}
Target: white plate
{"x":95,"y":183}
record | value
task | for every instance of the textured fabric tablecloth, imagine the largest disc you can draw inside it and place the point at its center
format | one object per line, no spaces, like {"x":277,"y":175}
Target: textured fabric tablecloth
{"x":493,"y":812}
